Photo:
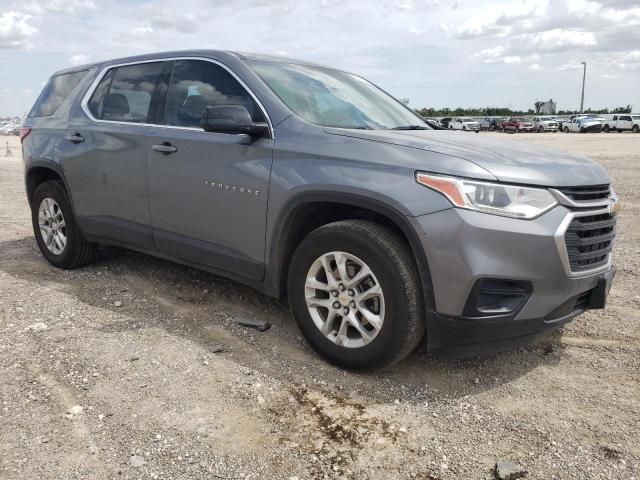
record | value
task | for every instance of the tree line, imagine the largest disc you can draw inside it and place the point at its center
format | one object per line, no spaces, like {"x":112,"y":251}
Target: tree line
{"x":506,"y":112}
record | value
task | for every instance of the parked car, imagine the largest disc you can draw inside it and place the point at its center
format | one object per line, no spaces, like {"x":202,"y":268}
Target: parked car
{"x":496,"y":124}
{"x":465,"y":124}
{"x":434,"y":124}
{"x":545,"y":124}
{"x":582,"y":124}
{"x":10,"y":129}
{"x":377,"y":229}
{"x":621,"y":123}
{"x":517,"y":124}
{"x":445,"y":122}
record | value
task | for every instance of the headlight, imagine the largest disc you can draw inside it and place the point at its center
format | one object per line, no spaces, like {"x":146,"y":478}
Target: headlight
{"x":498,"y":199}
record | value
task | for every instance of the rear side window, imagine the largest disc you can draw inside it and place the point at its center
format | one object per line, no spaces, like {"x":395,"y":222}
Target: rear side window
{"x":196,"y":85}
{"x":54,"y":93}
{"x":125,"y":94}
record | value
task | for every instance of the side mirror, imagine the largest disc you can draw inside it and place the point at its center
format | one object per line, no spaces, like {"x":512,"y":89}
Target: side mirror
{"x":231,"y":119}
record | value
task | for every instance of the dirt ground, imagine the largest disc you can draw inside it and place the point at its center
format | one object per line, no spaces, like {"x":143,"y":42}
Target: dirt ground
{"x":133,"y":368}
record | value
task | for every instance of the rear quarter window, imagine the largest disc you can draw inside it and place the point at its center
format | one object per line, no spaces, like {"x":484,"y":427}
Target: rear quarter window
{"x":55,"y":92}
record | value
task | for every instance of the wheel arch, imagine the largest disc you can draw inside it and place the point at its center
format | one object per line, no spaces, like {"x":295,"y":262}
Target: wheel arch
{"x":40,"y":171}
{"x":310,"y":210}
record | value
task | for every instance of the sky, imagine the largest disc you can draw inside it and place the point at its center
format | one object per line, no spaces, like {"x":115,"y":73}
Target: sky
{"x":435,"y":53}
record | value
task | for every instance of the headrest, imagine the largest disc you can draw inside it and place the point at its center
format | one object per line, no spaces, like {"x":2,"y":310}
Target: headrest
{"x":115,"y":104}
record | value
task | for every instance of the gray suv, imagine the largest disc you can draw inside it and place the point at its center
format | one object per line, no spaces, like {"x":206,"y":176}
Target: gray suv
{"x":313,"y":185}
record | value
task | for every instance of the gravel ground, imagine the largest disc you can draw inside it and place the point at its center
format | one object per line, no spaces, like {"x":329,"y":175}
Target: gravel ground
{"x":133,"y":368}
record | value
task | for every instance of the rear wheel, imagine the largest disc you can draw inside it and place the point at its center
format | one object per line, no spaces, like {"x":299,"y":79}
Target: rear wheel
{"x":606,"y":129}
{"x":56,"y":230}
{"x":354,"y":293}
{"x":566,"y":129}
{"x":541,"y":130}
{"x":635,"y":129}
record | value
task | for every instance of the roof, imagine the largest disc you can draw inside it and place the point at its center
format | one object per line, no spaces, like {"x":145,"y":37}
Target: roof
{"x":217,"y":54}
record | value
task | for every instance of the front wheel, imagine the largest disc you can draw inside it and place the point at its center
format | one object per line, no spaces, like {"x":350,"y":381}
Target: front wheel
{"x":635,"y":129}
{"x":566,"y":129}
{"x":354,"y":293}
{"x":606,"y":129}
{"x":56,"y":230}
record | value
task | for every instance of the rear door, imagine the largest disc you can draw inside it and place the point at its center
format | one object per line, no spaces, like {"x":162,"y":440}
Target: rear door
{"x":105,"y":157}
{"x":209,"y":190}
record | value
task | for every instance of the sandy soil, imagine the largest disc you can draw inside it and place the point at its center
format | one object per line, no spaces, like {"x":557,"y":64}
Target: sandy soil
{"x":167,"y":386}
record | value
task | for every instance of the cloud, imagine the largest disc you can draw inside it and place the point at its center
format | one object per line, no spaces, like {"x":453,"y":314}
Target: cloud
{"x":16,"y":30}
{"x":534,"y":67}
{"x":553,"y":40}
{"x":67,"y":6}
{"x":489,"y":23}
{"x":78,"y":59}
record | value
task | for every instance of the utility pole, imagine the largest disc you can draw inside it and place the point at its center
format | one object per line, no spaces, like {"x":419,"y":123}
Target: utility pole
{"x":584,"y":76}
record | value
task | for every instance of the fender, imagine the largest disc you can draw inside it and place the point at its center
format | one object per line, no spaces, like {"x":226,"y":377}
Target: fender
{"x":32,"y":164}
{"x":401,"y":219}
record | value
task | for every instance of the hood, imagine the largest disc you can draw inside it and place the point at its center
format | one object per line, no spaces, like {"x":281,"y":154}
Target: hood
{"x":507,"y":160}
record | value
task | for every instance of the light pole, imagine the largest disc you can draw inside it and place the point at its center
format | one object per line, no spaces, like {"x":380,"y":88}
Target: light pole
{"x":584,"y":76}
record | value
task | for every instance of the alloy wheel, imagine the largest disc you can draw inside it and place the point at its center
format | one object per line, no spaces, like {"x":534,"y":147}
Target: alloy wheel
{"x":52,"y":226}
{"x":345,"y":299}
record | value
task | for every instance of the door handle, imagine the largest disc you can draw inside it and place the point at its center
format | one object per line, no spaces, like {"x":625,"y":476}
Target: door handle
{"x":74,"y":138}
{"x":165,"y":148}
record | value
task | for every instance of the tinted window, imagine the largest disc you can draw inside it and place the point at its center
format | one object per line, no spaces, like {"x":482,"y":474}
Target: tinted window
{"x":96,"y":102}
{"x":125,"y":94}
{"x":54,"y":93}
{"x":197,"y":84}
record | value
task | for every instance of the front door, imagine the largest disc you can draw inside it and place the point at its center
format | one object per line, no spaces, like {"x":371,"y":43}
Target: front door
{"x":208,"y":191}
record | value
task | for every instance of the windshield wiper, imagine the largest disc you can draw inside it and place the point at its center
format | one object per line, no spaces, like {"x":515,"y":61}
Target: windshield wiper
{"x":410,"y":127}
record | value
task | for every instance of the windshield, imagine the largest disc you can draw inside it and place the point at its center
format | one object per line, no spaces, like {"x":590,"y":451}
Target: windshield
{"x":331,"y":98}
{"x":468,"y":120}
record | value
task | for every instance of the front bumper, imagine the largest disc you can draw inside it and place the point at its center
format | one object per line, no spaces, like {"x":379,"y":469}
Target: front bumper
{"x":464,"y":247}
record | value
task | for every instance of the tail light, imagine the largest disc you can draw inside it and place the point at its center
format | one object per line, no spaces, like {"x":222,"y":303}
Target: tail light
{"x":24,"y":131}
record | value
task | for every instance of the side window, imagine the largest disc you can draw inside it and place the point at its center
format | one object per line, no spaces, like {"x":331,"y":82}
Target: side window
{"x":96,"y":103}
{"x":615,"y":117}
{"x":55,"y":92}
{"x":198,"y":84}
{"x":125,"y":94}
{"x":625,"y":118}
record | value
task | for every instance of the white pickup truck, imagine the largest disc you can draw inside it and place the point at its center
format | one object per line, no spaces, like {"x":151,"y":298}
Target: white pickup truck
{"x":582,"y":124}
{"x":545,"y":124}
{"x":622,"y":123}
{"x":464,"y":123}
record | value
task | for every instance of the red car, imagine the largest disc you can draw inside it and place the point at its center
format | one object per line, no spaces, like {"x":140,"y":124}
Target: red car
{"x":517,"y":124}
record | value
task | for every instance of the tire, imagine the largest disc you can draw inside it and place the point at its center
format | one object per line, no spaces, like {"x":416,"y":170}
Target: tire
{"x":76,"y":251}
{"x":464,"y":128}
{"x":392,"y":268}
{"x":517,"y":130}
{"x":636,"y":129}
{"x":541,"y":130}
{"x":606,"y":129}
{"x":566,"y":129}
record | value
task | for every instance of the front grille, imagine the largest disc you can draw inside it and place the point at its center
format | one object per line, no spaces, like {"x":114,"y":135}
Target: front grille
{"x":582,"y":194}
{"x":589,"y":240}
